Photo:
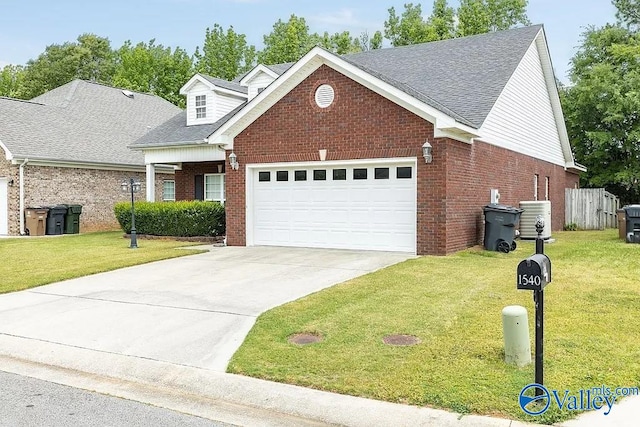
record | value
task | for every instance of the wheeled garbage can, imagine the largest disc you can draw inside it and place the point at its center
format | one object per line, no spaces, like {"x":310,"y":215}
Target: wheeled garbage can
{"x":55,"y":219}
{"x":72,"y":219}
{"x":632,"y":214}
{"x":500,"y":227}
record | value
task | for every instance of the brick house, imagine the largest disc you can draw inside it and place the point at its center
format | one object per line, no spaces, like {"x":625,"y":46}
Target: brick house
{"x":394,"y":149}
{"x":69,"y":145}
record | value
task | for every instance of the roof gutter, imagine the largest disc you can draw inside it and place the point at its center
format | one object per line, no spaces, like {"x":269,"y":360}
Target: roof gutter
{"x":22,"y":165}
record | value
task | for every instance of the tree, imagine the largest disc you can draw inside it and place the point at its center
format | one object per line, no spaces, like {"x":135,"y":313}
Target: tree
{"x":11,"y":78}
{"x":602,"y":110}
{"x":225,"y":54}
{"x":628,"y":11}
{"x":483,"y":16}
{"x":287,"y":42}
{"x":370,"y":43}
{"x":340,"y":43}
{"x":90,"y":58}
{"x":473,"y":17}
{"x":151,"y":68}
{"x":409,"y":28}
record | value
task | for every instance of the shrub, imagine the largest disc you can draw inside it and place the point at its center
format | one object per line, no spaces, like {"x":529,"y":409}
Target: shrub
{"x":571,"y":227}
{"x":181,"y":219}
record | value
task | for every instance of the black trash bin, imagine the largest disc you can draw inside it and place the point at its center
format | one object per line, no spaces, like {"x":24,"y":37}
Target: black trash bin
{"x":72,"y":219}
{"x":500,"y":227}
{"x":632,"y":214}
{"x":55,"y":219}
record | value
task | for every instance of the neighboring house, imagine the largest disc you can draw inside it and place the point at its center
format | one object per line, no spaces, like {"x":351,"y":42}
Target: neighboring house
{"x":69,"y":145}
{"x":330,"y":149}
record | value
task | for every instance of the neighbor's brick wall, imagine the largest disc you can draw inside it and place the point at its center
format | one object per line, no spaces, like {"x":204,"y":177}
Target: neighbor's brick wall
{"x":185,"y":178}
{"x":474,"y":169}
{"x":361,"y":124}
{"x":96,"y":190}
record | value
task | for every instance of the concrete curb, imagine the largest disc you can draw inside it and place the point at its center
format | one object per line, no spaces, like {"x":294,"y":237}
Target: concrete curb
{"x":188,"y":383}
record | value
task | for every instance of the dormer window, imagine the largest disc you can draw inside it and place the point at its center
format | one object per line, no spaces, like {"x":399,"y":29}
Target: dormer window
{"x":201,"y":106}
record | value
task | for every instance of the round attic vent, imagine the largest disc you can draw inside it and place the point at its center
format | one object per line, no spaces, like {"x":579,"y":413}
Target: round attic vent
{"x":324,"y":96}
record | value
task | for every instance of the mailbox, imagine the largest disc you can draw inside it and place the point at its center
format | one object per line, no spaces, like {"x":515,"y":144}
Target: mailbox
{"x":534,"y":272}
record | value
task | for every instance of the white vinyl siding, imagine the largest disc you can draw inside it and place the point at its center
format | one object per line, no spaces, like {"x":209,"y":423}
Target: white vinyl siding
{"x":214,"y":187}
{"x":197,"y":90}
{"x":225,"y":104}
{"x":522,"y":118}
{"x":259,"y":81}
{"x":169,"y":190}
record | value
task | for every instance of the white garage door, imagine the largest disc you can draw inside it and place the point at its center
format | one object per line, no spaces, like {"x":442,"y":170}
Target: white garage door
{"x":4,"y":207}
{"x":345,"y":205}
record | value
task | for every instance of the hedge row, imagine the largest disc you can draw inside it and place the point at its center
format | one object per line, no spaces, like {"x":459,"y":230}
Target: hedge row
{"x":183,"y":219}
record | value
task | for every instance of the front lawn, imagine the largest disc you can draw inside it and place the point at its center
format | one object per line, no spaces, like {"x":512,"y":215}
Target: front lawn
{"x":30,"y":262}
{"x":453,"y":305}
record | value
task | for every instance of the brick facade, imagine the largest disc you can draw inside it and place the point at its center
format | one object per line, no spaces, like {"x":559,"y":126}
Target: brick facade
{"x":96,"y":190}
{"x":185,"y":177}
{"x":361,"y":124}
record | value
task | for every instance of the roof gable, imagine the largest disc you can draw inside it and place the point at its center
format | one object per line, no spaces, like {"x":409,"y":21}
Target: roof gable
{"x":452,"y":83}
{"x":215,"y":84}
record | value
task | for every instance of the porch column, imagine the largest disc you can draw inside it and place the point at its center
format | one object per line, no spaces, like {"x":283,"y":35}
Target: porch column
{"x":151,"y":182}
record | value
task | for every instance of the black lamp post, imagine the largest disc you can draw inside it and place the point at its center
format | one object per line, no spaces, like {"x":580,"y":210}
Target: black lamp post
{"x":133,"y":186}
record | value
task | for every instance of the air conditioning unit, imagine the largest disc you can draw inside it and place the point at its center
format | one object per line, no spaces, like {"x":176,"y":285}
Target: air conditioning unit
{"x":533,"y":209}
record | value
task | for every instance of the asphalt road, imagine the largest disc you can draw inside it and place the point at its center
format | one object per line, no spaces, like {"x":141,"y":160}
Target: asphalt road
{"x":31,"y":402}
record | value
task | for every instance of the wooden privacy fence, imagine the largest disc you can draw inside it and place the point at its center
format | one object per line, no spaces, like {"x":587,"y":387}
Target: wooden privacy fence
{"x":591,"y":208}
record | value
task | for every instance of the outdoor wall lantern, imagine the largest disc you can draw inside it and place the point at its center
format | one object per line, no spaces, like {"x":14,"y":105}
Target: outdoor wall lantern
{"x":233,"y":161}
{"x":426,"y":152}
{"x":132,"y":186}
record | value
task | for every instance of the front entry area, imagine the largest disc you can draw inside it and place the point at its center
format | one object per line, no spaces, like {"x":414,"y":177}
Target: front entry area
{"x":366,"y":205}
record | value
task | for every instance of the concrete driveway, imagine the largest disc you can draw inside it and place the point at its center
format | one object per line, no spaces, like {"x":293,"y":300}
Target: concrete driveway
{"x":193,"y":311}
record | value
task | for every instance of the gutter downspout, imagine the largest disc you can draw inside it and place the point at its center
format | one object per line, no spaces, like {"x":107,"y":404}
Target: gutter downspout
{"x":22,"y":165}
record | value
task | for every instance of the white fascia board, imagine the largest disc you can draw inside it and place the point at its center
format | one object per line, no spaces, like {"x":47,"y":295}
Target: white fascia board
{"x":34,"y":161}
{"x":556,"y":106}
{"x":195,"y":79}
{"x":240,"y":95}
{"x":256,"y":70}
{"x":576,"y":166}
{"x":310,"y":63}
{"x":7,"y":153}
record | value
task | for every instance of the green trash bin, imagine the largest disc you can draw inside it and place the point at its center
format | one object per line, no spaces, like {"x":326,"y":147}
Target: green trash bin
{"x":72,"y":219}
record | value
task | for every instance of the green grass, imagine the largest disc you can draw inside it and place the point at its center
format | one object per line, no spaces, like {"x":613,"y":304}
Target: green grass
{"x":453,"y":304}
{"x":30,"y":262}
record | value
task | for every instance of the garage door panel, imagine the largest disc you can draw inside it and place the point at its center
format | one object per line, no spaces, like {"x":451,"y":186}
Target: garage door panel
{"x":372,"y":214}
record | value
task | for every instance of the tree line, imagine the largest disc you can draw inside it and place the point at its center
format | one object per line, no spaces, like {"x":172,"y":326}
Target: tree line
{"x":601,"y":104}
{"x":225,"y":53}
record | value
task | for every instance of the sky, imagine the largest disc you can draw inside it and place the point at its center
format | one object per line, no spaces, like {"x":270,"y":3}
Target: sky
{"x":28,"y":26}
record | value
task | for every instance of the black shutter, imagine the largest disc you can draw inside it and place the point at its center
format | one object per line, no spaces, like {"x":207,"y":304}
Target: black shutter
{"x":199,"y":187}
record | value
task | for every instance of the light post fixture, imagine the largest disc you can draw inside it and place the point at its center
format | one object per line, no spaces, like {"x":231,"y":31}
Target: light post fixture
{"x":133,"y":186}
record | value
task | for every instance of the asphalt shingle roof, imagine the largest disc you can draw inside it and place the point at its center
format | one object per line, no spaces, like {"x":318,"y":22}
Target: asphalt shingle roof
{"x":234,"y":86}
{"x":461,"y":77}
{"x":81,"y":122}
{"x":176,"y":132}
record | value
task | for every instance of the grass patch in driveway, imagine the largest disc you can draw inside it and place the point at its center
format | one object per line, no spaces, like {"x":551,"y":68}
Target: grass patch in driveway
{"x":453,"y":305}
{"x":30,"y":262}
